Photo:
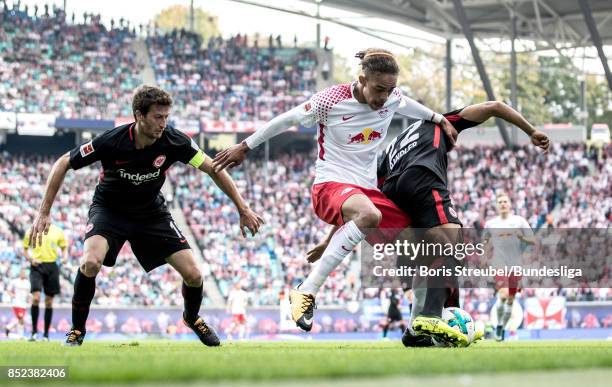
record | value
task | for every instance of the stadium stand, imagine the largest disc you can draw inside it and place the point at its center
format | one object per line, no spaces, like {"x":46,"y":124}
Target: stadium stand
{"x":274,"y":259}
{"x":230,"y":79}
{"x":48,"y":65}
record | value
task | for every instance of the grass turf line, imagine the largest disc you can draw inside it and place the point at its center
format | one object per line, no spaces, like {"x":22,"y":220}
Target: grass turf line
{"x":171,"y":361}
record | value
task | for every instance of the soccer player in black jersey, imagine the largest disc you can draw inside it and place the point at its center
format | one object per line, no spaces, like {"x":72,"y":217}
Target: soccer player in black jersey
{"x":413,"y":174}
{"x":128,"y":205}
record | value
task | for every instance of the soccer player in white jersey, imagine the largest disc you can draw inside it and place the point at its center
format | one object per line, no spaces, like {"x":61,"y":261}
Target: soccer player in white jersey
{"x":352,"y":121}
{"x":20,"y":289}
{"x":236,"y":305}
{"x":505,"y":235}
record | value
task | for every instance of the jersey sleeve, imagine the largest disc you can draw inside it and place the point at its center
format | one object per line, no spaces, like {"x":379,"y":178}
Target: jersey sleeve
{"x":411,"y":108}
{"x":306,"y":113}
{"x":188,"y":152}
{"x":459,"y":122}
{"x":301,"y":114}
{"x":89,"y":152}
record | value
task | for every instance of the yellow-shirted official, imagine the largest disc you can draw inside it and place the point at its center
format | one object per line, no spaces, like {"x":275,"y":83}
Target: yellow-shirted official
{"x":44,"y":273}
{"x":48,"y":250}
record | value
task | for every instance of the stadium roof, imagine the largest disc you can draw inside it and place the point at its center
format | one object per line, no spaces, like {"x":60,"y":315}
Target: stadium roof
{"x":558,"y":21}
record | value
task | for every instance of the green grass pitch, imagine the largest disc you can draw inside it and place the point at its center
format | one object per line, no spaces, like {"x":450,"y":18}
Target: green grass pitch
{"x":557,"y":363}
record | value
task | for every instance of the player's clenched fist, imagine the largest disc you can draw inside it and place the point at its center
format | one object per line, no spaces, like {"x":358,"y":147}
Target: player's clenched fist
{"x":540,"y":140}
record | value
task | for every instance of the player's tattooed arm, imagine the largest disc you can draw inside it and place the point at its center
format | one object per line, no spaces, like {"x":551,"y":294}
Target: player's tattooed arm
{"x":248,"y":218}
{"x":54,"y":182}
{"x":316,"y":252}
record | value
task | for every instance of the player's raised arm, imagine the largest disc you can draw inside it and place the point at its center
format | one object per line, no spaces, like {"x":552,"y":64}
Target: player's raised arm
{"x":483,"y":111}
{"x":223,"y":180}
{"x":411,"y":108}
{"x":235,"y":155}
{"x":43,"y":218}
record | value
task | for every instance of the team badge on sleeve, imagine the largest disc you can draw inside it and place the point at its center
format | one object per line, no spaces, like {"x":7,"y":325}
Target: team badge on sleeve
{"x":307,"y":107}
{"x":86,"y":149}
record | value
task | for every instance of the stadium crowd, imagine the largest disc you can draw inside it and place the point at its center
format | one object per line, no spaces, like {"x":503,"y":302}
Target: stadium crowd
{"x":53,"y":63}
{"x":231,"y":79}
{"x":49,"y":64}
{"x":266,"y":264}
{"x":570,"y":177}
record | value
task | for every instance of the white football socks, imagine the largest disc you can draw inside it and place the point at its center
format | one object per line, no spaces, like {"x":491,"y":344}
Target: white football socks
{"x":340,"y":245}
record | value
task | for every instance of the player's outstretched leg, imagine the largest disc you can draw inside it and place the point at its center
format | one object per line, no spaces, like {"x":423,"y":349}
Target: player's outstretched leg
{"x":193,"y":298}
{"x":96,"y":248}
{"x":84,"y":291}
{"x":193,"y":293}
{"x":340,"y":245}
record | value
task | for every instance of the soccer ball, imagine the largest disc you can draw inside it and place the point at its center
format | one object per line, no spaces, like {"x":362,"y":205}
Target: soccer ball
{"x":460,"y":320}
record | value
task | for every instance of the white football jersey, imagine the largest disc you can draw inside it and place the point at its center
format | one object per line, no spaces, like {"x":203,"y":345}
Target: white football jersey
{"x":503,"y":235}
{"x":238,"y":300}
{"x":21,"y":288}
{"x":348,"y":133}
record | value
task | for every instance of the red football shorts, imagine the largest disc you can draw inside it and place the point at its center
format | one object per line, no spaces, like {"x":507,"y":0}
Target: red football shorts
{"x":19,"y":312}
{"x":238,"y":318}
{"x":511,"y":282}
{"x":328,"y":198}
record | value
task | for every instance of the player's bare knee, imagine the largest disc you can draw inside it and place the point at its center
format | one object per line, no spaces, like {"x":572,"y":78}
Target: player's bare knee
{"x":91,"y":265}
{"x":48,"y":301}
{"x":193,"y":278}
{"x":369,"y":218}
{"x":35,"y":298}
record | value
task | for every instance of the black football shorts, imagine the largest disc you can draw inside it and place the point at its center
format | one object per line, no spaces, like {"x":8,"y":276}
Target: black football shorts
{"x":152,"y":239}
{"x":423,"y":196}
{"x":45,"y":277}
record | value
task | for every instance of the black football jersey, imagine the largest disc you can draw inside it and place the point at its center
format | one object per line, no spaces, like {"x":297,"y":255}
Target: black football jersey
{"x":131,"y":179}
{"x":422,"y":143}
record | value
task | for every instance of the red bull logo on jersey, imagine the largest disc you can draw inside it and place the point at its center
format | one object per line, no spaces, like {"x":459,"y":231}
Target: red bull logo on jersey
{"x":365,"y":137}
